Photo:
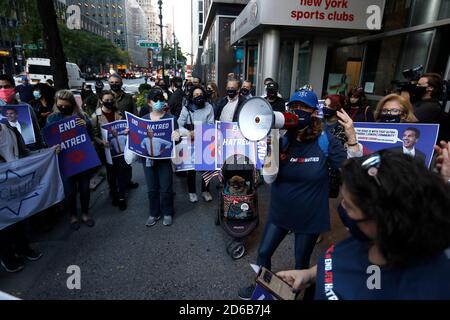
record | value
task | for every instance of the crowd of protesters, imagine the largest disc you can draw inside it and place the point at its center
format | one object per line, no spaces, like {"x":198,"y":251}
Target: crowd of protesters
{"x":394,"y":207}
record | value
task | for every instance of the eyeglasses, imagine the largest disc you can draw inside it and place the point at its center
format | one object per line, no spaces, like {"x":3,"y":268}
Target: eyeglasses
{"x":392,"y":112}
{"x":156,"y":99}
{"x":372,"y":164}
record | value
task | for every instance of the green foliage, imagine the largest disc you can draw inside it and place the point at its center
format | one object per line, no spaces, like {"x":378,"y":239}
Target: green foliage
{"x":141,"y":99}
{"x":144,"y":87}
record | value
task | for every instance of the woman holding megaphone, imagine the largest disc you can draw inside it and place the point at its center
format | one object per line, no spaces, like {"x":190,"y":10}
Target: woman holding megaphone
{"x":299,"y":177}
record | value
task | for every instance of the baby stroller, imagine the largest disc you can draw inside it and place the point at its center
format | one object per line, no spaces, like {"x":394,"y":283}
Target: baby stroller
{"x":238,"y":214}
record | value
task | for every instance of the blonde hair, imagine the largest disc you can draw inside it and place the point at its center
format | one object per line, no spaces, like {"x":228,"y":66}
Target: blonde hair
{"x":66,"y":95}
{"x":406,"y":106}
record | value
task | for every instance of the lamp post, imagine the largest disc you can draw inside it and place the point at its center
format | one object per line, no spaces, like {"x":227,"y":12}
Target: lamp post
{"x":161,"y":29}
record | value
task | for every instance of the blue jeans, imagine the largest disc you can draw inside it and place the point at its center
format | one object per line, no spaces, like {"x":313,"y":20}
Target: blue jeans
{"x":160,"y":187}
{"x":271,"y":239}
{"x":73,"y":185}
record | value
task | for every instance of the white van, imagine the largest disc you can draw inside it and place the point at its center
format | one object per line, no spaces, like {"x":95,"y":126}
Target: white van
{"x":39,"y":70}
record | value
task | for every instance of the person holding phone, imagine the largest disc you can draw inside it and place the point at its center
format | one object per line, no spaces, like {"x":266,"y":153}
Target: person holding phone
{"x":396,"y":211}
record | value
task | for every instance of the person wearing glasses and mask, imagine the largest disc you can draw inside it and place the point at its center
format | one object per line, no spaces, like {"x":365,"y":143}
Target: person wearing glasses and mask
{"x":246,"y":89}
{"x":212,"y":94}
{"x":197,"y":112}
{"x":399,"y":244}
{"x":226,"y":108}
{"x":116,"y":173}
{"x":158,"y":172}
{"x":66,"y":107}
{"x":394,"y":109}
{"x":299,"y":175}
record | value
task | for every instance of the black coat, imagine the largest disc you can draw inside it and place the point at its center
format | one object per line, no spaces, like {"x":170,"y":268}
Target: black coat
{"x":176,"y":102}
{"x":278,"y":105}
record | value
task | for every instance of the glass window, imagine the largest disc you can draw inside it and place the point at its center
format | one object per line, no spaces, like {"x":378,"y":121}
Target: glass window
{"x":285,"y":69}
{"x":252,"y":63}
{"x":304,"y":64}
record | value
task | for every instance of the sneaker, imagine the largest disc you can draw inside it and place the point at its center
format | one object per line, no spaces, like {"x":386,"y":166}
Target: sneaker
{"x":246,"y":293}
{"x":193,"y":197}
{"x":122,"y":204}
{"x":133,"y":185}
{"x":151,"y":221}
{"x":12,"y":265}
{"x":31,"y":255}
{"x":167,"y":221}
{"x":207,"y":196}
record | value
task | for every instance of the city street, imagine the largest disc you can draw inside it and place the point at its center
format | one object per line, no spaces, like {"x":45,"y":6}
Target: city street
{"x":121,"y":258}
{"x":129,"y":85}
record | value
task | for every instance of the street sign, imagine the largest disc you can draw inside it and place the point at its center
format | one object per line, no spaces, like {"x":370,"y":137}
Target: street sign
{"x":148,"y":44}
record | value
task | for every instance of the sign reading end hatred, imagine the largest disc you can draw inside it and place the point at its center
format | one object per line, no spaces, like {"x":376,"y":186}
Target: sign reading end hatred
{"x":77,"y":152}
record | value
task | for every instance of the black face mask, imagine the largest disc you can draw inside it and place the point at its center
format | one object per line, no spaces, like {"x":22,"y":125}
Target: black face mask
{"x":108,"y":104}
{"x":352,"y":225}
{"x":66,"y":110}
{"x":245,"y":91}
{"x":209,"y":93}
{"x":199,"y":101}
{"x":328,"y":113}
{"x":419,"y":92}
{"x":232,"y":93}
{"x":272,"y":95}
{"x":304,"y":119}
{"x":389,"y":118}
{"x":116,"y":87}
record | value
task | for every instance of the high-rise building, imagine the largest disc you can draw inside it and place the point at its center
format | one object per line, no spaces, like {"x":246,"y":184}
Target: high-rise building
{"x":152,"y":20}
{"x":110,"y":14}
{"x":136,"y":23}
{"x":198,"y":18}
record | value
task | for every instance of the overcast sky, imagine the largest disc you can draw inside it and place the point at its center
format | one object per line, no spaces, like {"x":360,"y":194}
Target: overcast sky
{"x":181,"y":11}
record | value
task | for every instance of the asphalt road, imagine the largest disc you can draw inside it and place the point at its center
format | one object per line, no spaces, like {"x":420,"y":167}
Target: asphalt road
{"x":121,"y":258}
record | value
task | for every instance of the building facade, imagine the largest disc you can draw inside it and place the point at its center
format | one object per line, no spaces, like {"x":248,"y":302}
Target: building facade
{"x":108,"y":13}
{"x":151,"y":17}
{"x":198,"y":18}
{"x":367,"y":43}
{"x":219,"y":56}
{"x":136,"y":24}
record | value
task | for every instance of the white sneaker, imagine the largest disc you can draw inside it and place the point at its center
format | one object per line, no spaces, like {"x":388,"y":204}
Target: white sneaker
{"x":207,"y":196}
{"x":193,"y":197}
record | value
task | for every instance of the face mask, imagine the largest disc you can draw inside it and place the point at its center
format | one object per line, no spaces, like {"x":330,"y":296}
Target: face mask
{"x":328,"y":113}
{"x":272,"y":95}
{"x":158,"y":106}
{"x":304,"y":119}
{"x":352,"y":226}
{"x":199,"y":101}
{"x":420,"y":91}
{"x":209,"y":93}
{"x":7,"y":95}
{"x":66,"y":110}
{"x":354,"y":100}
{"x":245,"y":91}
{"x":389,"y":118}
{"x":36,"y":95}
{"x":108,"y":104}
{"x":116,"y":87}
{"x":231,"y":93}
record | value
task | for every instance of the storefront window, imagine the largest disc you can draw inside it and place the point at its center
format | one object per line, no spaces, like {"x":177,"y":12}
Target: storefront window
{"x":285,"y":70}
{"x":252,"y":63}
{"x":303,"y":66}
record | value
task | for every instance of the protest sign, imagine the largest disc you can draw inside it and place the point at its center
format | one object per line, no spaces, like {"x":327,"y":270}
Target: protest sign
{"x":151,"y":138}
{"x":19,"y":116}
{"x":77,"y":152}
{"x":184,"y":155}
{"x":414,"y":139}
{"x":28,"y":186}
{"x":230,"y":142}
{"x":205,"y":147}
{"x":114,"y":133}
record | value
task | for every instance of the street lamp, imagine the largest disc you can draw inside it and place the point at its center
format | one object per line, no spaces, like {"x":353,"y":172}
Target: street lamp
{"x":162,"y":42}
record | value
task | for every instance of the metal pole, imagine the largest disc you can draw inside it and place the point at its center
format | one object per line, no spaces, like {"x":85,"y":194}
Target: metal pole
{"x":162,"y":41}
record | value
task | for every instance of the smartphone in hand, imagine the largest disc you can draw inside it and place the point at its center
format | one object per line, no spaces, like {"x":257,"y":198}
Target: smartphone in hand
{"x":275,"y":285}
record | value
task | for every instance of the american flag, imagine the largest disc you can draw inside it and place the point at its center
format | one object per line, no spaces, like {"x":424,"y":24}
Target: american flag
{"x":208,"y":175}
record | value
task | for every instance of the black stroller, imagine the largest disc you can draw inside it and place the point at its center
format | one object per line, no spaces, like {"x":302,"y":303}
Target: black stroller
{"x":238,"y":214}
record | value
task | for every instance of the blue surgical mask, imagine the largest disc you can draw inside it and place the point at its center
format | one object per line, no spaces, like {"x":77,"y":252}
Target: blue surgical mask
{"x":304,"y":119}
{"x":36,"y":95}
{"x":389,"y":118}
{"x":352,"y":225}
{"x":158,"y":106}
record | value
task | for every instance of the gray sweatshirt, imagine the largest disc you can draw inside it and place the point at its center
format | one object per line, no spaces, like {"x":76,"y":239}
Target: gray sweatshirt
{"x":203,"y":115}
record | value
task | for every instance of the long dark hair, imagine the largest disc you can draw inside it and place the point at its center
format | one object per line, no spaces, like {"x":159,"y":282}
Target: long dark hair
{"x":410,"y":208}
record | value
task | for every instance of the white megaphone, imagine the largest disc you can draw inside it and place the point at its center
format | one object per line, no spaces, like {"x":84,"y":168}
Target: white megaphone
{"x":256,"y":118}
